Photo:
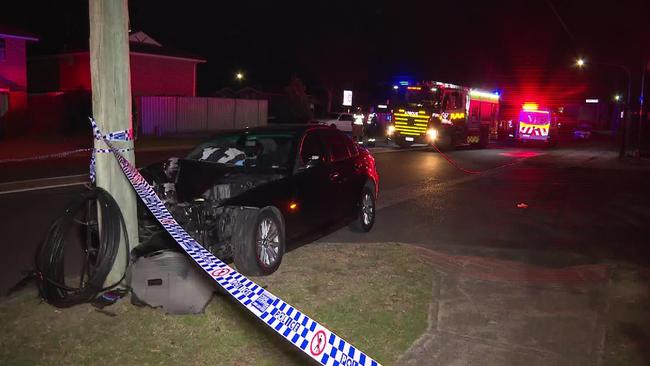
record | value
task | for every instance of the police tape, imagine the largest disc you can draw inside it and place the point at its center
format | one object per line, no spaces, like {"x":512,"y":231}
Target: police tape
{"x":47,"y":156}
{"x":122,"y":135}
{"x":306,"y":334}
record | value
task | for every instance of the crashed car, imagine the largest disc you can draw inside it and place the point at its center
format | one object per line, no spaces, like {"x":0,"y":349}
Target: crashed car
{"x":244,"y":195}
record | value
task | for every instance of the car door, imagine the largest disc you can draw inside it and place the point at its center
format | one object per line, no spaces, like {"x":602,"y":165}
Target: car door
{"x":311,"y":187}
{"x":340,"y":175}
{"x":358,"y":177}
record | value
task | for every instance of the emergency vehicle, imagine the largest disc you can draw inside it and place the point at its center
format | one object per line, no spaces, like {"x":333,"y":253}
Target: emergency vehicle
{"x":443,"y":114}
{"x":535,"y":125}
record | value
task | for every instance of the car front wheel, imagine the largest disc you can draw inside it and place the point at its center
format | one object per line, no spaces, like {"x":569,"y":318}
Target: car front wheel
{"x":259,"y":242}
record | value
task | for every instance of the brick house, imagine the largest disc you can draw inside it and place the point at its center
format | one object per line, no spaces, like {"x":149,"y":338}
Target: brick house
{"x":13,"y":70}
{"x":155,"y":70}
{"x":60,"y":84}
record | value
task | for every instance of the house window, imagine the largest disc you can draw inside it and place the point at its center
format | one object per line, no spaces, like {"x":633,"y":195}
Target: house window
{"x":2,"y":49}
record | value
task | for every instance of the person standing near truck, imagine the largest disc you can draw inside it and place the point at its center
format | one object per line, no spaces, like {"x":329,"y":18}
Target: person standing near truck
{"x":357,"y":125}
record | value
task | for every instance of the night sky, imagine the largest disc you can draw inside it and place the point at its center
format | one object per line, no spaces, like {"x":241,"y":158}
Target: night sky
{"x":366,"y":45}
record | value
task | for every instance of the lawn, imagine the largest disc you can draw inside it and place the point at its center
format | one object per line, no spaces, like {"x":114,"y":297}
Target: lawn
{"x":374,"y":295}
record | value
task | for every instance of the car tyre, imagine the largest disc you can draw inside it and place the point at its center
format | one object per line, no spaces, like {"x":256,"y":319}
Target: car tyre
{"x":258,"y":241}
{"x":366,"y":211}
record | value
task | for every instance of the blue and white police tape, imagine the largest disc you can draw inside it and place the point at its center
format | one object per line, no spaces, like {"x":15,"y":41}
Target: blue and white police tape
{"x":122,"y":135}
{"x":300,"y":330}
{"x":48,"y":156}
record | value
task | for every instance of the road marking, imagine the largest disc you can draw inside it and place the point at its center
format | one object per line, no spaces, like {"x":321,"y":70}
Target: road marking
{"x":42,"y":183}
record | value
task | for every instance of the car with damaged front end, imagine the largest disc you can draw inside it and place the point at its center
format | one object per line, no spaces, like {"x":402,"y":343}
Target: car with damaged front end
{"x":245,"y":195}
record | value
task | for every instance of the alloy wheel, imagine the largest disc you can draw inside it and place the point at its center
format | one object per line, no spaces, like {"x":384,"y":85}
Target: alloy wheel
{"x":367,"y":208}
{"x":268,"y":243}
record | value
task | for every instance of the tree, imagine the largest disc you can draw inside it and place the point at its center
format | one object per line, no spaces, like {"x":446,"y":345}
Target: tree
{"x":299,"y":105}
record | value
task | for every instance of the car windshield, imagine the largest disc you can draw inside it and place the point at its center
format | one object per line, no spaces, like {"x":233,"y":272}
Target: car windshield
{"x":534,"y":117}
{"x":422,"y":97}
{"x":256,"y":150}
{"x":332,"y":116}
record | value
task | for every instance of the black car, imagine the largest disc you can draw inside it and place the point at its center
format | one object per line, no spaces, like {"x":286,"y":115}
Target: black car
{"x":245,"y":194}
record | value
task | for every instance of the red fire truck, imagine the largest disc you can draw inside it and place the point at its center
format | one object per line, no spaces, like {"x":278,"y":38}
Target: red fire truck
{"x":443,"y":114}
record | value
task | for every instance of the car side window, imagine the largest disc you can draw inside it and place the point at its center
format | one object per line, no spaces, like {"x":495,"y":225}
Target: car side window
{"x":353,"y":149}
{"x":336,"y":145}
{"x":312,"y":148}
{"x":346,"y":117}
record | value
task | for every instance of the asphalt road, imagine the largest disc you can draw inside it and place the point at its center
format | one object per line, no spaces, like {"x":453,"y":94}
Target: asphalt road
{"x":74,"y":165}
{"x":582,"y":206}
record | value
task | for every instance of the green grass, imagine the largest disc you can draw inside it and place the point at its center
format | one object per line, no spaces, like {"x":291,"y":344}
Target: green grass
{"x":375,"y":296}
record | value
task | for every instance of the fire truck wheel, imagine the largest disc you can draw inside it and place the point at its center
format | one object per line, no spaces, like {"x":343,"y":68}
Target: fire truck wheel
{"x":403,"y":144}
{"x":444,"y":142}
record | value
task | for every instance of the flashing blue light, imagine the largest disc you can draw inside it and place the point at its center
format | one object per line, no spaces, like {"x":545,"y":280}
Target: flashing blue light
{"x":403,"y":83}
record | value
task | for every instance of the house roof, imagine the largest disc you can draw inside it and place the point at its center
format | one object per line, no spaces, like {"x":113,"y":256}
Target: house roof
{"x":139,"y":43}
{"x":7,"y":31}
{"x":150,"y":49}
{"x":142,"y":37}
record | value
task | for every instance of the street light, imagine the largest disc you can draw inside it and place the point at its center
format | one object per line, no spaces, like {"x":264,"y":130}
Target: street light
{"x":239,"y":76}
{"x":580,"y":62}
{"x":617,"y":97}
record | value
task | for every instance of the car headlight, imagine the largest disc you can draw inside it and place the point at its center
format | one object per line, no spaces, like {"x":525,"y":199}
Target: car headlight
{"x":432,"y":133}
{"x":390,"y":130}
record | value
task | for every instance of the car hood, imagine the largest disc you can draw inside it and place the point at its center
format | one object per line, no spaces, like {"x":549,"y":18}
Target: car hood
{"x":199,"y":179}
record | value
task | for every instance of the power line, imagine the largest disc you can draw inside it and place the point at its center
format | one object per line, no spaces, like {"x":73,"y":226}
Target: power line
{"x":559,"y":18}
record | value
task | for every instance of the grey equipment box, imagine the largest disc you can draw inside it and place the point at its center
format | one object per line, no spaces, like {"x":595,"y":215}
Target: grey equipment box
{"x":168,"y":279}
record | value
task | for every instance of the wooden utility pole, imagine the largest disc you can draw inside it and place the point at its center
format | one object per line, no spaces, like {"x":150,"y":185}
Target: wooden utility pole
{"x":111,"y":89}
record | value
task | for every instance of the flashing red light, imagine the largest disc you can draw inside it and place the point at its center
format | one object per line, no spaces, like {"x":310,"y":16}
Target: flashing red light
{"x":414,"y":88}
{"x":530,"y":106}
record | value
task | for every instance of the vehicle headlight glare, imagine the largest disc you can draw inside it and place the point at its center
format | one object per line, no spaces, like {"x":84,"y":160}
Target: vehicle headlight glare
{"x":390,"y":130}
{"x":432,"y":133}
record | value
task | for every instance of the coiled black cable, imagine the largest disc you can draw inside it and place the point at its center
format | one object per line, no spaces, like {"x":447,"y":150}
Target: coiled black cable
{"x":100,"y":253}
